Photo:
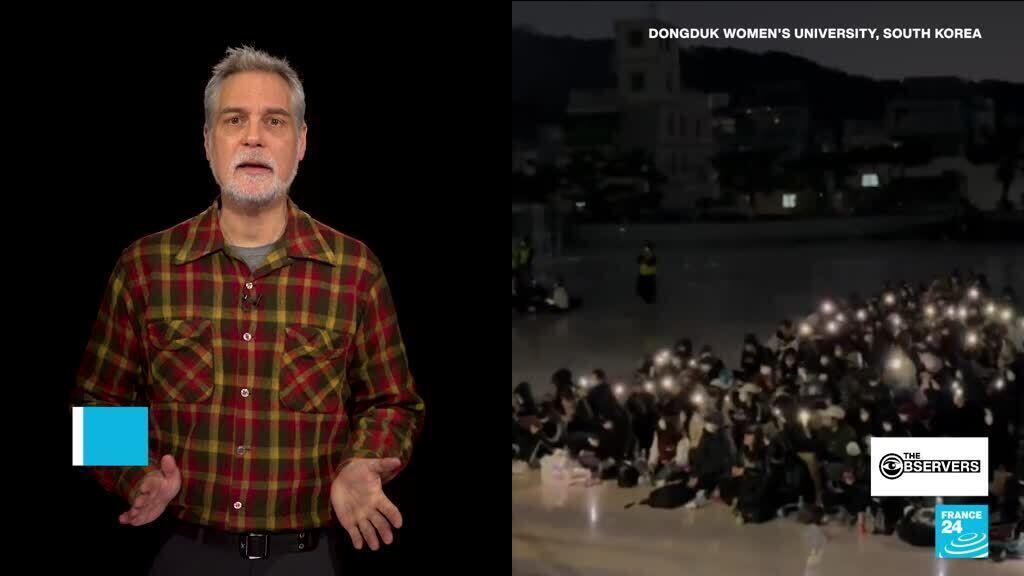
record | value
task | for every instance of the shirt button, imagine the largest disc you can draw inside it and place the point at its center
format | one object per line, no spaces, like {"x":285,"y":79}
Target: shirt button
{"x":240,"y":450}
{"x":245,"y":392}
{"x":247,"y":337}
{"x":248,"y":285}
{"x":238,"y":505}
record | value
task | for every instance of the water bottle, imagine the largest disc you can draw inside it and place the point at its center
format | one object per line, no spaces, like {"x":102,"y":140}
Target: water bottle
{"x":869,"y":521}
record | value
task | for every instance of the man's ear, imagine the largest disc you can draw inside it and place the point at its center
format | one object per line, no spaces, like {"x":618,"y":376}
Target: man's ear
{"x":302,"y":141}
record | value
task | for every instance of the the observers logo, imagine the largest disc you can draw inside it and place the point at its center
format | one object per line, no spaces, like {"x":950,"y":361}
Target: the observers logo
{"x":892,"y":466}
{"x":929,"y":466}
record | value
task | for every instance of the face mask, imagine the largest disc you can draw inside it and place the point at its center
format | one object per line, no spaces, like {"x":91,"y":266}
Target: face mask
{"x":869,"y":339}
{"x":887,"y":426}
{"x":710,"y":428}
{"x":662,"y":424}
{"x":904,"y":418}
{"x":802,"y":372}
{"x":744,"y":397}
{"x":824,"y":360}
{"x":823,"y":377}
{"x":864,"y":416}
{"x":790,"y":362}
{"x":988,"y":417}
{"x":872,"y":383}
{"x":839,"y":353}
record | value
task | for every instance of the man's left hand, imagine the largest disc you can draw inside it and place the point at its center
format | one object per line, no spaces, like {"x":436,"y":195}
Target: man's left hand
{"x":359,"y":502}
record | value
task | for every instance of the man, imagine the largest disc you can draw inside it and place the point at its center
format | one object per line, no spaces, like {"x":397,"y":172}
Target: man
{"x":647,"y":276}
{"x":267,"y":349}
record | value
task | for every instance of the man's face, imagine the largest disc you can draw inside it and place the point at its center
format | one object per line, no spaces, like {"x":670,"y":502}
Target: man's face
{"x":252,"y":143}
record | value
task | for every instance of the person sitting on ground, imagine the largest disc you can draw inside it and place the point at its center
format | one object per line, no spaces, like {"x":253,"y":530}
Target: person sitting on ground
{"x":669,"y":453}
{"x":712,"y":460}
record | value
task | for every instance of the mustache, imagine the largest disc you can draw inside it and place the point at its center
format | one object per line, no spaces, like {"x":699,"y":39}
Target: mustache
{"x":252,"y":158}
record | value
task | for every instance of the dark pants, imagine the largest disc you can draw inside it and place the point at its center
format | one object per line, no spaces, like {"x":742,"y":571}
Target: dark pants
{"x":183,"y":556}
{"x":647,"y":288}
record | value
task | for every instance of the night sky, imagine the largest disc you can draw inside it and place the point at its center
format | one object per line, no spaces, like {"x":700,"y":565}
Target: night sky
{"x":995,"y":56}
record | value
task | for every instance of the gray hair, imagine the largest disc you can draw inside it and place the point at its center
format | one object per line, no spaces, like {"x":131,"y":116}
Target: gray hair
{"x":249,"y":59}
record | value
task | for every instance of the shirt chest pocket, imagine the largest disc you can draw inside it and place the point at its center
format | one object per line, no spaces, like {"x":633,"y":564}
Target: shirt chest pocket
{"x":313,"y":369}
{"x":180,"y":360}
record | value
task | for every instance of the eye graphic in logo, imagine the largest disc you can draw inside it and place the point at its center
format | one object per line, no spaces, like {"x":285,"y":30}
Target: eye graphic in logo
{"x":891,"y":466}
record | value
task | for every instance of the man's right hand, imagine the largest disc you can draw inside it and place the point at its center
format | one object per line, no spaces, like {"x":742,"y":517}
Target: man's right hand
{"x":156,"y":490}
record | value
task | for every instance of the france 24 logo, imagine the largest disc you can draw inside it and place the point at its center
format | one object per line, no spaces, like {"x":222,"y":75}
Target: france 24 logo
{"x":961,"y":531}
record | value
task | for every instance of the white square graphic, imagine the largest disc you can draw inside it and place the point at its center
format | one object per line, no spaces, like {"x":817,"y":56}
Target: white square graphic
{"x":929,"y":466}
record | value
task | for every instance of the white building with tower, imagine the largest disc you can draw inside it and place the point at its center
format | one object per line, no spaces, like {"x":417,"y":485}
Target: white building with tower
{"x":660,"y":116}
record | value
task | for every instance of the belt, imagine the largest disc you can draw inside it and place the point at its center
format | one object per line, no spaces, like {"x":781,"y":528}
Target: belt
{"x":251,"y":545}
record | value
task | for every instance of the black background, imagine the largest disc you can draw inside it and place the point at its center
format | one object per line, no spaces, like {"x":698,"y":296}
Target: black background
{"x":113,"y":150}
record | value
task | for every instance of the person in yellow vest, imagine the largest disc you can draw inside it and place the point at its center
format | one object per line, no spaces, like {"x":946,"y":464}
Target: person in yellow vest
{"x":522,"y":271}
{"x":646,"y":280}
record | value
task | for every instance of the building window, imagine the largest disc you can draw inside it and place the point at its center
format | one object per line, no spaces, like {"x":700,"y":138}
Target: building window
{"x":636,"y":38}
{"x":637,"y":81}
{"x":789,"y":200}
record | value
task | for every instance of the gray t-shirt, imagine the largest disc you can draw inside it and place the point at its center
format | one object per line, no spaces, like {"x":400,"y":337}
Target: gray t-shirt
{"x":254,"y":256}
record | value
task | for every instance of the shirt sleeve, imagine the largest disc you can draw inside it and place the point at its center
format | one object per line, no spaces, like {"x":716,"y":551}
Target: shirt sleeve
{"x":110,"y":372}
{"x":387,"y":414}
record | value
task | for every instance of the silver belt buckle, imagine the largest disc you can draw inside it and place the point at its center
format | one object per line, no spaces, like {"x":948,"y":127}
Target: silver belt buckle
{"x":255,"y":546}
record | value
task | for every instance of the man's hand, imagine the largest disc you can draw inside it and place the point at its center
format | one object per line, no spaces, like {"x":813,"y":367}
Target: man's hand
{"x":359,"y":501}
{"x":155,"y":491}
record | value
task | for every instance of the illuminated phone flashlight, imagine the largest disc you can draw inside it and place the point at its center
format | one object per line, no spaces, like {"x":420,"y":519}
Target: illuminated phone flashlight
{"x":697,"y":398}
{"x":961,"y":312}
{"x":862,"y":315}
{"x":896,"y":320}
{"x":841,"y":317}
{"x":805,"y":417}
{"x":890,"y":299}
{"x":895,"y":363}
{"x":827,"y":307}
{"x":972,"y":339}
{"x":805,"y":329}
{"x":667,"y":383}
{"x":958,"y":391}
{"x":649,"y":387}
{"x":973,"y":294}
{"x":929,"y":311}
{"x":1006,"y":314}
{"x":620,"y":390}
{"x":692,"y":363}
{"x":583,"y":382}
{"x":832,"y":327}
{"x":776,"y":412}
{"x":1000,"y":383}
{"x":950,"y":312}
{"x":990,"y":309}
{"x":662,"y":358}
{"x":956,"y":386}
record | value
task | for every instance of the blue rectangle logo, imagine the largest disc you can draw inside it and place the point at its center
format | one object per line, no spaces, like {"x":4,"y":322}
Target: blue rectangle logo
{"x":110,"y":436}
{"x":961,"y":531}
